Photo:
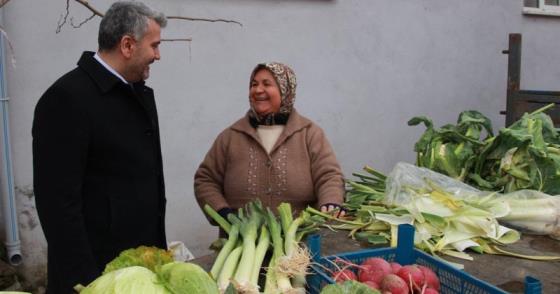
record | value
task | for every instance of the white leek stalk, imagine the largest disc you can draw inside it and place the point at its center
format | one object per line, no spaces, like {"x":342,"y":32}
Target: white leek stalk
{"x":229,"y":268}
{"x":282,"y":280}
{"x":226,"y":250}
{"x":262,"y":247}
{"x":538,"y":216}
{"x":249,"y":229}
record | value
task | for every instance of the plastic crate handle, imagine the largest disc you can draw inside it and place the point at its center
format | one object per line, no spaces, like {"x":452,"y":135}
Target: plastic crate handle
{"x":532,"y":285}
{"x":405,"y":241}
{"x":314,"y":246}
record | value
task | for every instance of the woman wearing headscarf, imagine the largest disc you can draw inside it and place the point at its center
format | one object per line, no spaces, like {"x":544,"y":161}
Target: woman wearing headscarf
{"x":273,"y":153}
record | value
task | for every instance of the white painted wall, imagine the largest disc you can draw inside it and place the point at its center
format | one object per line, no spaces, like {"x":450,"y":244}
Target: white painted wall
{"x":364,"y":68}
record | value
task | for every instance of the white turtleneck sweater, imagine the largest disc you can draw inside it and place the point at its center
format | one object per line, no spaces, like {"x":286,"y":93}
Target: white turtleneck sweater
{"x":269,"y":135}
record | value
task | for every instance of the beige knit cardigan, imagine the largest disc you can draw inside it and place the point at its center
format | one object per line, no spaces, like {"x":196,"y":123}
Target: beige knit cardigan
{"x":301,"y":168}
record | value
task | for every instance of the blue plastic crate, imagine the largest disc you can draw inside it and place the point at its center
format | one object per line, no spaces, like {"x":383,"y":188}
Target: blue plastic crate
{"x":451,"y":279}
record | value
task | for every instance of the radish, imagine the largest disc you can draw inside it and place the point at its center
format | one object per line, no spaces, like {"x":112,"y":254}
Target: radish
{"x":430,"y":291}
{"x":395,"y":266}
{"x":374,"y":269}
{"x":430,"y":277}
{"x":412,"y":275}
{"x":378,"y":263}
{"x":394,"y":284}
{"x":370,"y":273}
{"x":372,"y":284}
{"x":344,"y":275}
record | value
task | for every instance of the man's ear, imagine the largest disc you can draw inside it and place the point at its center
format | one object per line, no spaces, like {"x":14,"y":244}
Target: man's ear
{"x":127,"y":46}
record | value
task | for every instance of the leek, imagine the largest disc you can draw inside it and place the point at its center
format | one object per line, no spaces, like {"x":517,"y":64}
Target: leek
{"x":446,"y":222}
{"x":217,"y":218}
{"x":270,"y":285}
{"x":229,"y":268}
{"x":534,"y":215}
{"x":282,"y":281}
{"x":296,"y":259}
{"x":286,"y":218}
{"x":249,"y":229}
{"x":226,"y":250}
{"x":262,"y":247}
{"x":240,"y":261}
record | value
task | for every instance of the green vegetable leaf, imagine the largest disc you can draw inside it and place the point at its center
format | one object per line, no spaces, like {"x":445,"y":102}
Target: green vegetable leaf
{"x":183,"y":277}
{"x":349,"y":287}
{"x":148,"y":257}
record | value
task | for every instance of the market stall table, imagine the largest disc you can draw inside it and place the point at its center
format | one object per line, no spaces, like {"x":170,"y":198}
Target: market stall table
{"x":508,"y":273}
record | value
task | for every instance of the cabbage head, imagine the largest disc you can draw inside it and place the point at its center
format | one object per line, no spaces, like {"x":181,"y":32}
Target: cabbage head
{"x":183,"y":277}
{"x":149,"y":257}
{"x":128,"y":280}
{"x":349,"y":287}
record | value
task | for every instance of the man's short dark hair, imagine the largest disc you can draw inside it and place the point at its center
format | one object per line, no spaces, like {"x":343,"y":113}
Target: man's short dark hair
{"x":126,"y":18}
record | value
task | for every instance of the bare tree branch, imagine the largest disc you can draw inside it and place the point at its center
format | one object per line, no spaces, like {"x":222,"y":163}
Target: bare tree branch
{"x":204,"y":19}
{"x":172,"y":40}
{"x":63,"y":18}
{"x":96,"y":12}
{"x":82,"y":22}
{"x":86,"y":4}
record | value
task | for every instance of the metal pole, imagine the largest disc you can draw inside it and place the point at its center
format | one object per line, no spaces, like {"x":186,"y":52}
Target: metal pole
{"x":12,"y":241}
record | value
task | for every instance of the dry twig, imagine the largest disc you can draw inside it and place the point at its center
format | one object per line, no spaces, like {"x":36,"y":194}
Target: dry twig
{"x":205,"y":19}
{"x":174,"y":40}
{"x":98,"y":13}
{"x":86,"y":4}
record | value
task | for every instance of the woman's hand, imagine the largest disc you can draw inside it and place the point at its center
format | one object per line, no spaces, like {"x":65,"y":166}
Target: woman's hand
{"x":224,"y":212}
{"x":333,"y":208}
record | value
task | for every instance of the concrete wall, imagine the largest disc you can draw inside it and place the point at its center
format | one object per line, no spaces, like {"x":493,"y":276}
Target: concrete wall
{"x":364,"y":68}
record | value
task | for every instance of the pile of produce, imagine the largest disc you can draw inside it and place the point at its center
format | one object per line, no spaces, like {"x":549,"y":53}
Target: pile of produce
{"x":379,"y":274}
{"x":466,"y":192}
{"x":448,"y":215}
{"x":470,"y":190}
{"x":251,"y":233}
{"x":525,"y":155}
{"x":150,"y":270}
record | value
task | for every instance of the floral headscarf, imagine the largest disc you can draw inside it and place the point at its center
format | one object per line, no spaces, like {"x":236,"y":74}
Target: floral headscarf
{"x":286,"y":80}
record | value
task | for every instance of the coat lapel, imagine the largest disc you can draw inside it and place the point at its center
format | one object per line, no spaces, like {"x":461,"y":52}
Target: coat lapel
{"x":106,"y":81}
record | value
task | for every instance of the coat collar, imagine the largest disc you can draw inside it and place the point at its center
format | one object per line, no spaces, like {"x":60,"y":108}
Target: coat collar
{"x":104,"y":79}
{"x":295,"y":123}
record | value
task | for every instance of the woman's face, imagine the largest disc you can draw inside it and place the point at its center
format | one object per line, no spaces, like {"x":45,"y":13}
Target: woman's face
{"x":264,"y":93}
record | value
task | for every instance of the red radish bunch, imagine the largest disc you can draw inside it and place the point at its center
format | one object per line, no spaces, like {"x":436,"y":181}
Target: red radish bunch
{"x":395,"y":266}
{"x":391,"y":278}
{"x":344,"y":275}
{"x":432,"y":281}
{"x":430,"y":291}
{"x":374,"y":269}
{"x":412,"y":275}
{"x":372,"y":284}
{"x":394,"y":284}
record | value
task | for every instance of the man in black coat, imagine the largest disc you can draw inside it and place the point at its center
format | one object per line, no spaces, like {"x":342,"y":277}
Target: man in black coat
{"x":98,"y":175}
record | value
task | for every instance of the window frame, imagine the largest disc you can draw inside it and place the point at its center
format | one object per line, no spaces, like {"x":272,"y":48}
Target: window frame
{"x":542,"y":9}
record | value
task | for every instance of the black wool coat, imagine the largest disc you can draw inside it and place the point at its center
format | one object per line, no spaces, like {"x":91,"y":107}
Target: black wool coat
{"x":98,"y":176}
